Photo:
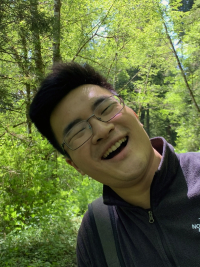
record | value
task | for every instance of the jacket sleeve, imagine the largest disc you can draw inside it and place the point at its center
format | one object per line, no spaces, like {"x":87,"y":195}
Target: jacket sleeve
{"x":89,"y":249}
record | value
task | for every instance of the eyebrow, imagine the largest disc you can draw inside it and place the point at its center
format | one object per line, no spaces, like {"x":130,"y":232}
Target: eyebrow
{"x":98,"y":101}
{"x":70,"y":125}
{"x":74,"y":122}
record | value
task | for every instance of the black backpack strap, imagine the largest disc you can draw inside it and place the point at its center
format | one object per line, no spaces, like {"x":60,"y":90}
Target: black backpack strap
{"x":106,"y":231}
{"x":112,"y":211}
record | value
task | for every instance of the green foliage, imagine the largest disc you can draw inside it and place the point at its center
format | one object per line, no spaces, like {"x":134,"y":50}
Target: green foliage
{"x":188,"y":137}
{"x":51,"y":244}
{"x":42,"y":199}
{"x":84,"y":193}
{"x":33,"y":179}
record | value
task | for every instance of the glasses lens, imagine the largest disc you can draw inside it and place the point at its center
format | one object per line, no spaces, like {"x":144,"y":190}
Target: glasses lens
{"x":82,"y":131}
{"x":78,"y":135}
{"x":109,"y":108}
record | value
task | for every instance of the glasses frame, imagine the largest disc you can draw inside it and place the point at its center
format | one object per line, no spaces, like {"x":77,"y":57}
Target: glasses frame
{"x":93,"y":115}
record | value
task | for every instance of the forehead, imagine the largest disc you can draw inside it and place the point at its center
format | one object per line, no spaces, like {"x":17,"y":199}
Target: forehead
{"x":75,"y":105}
{"x":84,"y":94}
{"x":87,"y":92}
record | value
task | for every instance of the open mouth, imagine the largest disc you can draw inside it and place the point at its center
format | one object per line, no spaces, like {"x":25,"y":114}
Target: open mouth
{"x":110,"y":155}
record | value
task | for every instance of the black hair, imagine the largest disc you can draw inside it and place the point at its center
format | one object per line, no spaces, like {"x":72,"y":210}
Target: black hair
{"x":63,"y":78}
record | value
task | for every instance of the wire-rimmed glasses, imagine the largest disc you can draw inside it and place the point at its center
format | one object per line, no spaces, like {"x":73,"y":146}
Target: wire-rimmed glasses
{"x":81,"y":132}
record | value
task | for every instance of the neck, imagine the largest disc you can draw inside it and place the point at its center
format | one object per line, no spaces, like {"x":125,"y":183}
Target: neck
{"x":139,"y":193}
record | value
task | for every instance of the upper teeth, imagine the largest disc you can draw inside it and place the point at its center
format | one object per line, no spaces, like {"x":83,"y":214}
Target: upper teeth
{"x":114,"y":147}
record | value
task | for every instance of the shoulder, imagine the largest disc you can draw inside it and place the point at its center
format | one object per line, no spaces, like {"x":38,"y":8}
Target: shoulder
{"x":189,"y":155}
{"x":190,"y":162}
{"x":190,"y":165}
{"x":89,"y":248}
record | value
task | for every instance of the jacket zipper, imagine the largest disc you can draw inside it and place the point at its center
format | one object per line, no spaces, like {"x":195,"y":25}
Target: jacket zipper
{"x":151,"y":219}
{"x":165,"y":246}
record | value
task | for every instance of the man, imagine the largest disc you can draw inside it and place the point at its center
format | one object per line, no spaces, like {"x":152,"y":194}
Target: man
{"x":155,"y":193}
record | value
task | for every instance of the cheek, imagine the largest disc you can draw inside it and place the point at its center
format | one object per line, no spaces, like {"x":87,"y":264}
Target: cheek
{"x":81,"y":157}
{"x":88,"y":165}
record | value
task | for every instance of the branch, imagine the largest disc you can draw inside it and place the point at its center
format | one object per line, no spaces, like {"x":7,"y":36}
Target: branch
{"x":130,"y":81}
{"x":181,"y":69}
{"x":14,"y":126}
{"x":87,"y":58}
{"x":20,"y":137}
{"x":89,"y":39}
{"x":111,"y":65}
{"x":2,"y":134}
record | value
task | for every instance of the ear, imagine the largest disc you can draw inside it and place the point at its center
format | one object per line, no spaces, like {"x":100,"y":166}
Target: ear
{"x":70,"y":162}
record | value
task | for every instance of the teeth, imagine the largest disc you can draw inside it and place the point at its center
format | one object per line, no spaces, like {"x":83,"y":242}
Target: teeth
{"x":114,"y":147}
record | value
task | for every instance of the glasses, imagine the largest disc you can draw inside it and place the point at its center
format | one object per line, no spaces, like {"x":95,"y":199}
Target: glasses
{"x":82,"y":131}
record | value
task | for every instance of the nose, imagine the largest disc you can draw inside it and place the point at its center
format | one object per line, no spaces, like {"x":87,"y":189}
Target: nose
{"x":100,"y":129}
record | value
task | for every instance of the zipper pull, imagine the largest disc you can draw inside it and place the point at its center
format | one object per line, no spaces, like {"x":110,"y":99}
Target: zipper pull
{"x":151,"y":219}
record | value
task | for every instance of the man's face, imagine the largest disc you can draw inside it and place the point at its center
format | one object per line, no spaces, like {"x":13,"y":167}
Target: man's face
{"x":134,"y":156}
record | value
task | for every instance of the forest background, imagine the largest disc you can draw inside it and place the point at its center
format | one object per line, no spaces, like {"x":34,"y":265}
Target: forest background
{"x":149,"y":50}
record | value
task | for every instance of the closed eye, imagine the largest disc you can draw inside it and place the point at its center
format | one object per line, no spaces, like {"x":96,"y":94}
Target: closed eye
{"x":107,"y":109}
{"x":76,"y":134}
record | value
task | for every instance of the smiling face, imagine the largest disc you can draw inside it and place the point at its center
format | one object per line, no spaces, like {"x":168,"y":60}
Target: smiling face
{"x":118,"y":154}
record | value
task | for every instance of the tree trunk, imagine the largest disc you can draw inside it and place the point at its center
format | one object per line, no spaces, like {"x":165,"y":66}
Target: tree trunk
{"x":28,"y":101}
{"x":37,"y":54}
{"x":142,"y":115}
{"x":148,"y":121}
{"x":56,"y":33}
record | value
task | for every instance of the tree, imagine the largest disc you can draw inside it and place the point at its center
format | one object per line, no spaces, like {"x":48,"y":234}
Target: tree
{"x":56,"y":32}
{"x":132,"y":43}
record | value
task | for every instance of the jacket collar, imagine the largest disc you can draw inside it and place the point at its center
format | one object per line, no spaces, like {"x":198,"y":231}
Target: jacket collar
{"x":163,"y":177}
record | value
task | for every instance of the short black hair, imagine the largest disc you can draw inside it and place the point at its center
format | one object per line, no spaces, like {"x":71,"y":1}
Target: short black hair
{"x":63,"y":78}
